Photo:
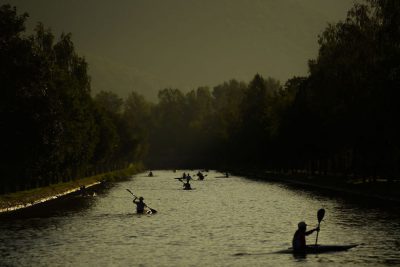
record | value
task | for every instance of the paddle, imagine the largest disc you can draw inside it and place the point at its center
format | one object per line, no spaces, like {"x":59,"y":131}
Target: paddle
{"x":180,"y":180}
{"x":320,"y":216}
{"x":185,"y":184}
{"x":152,"y":210}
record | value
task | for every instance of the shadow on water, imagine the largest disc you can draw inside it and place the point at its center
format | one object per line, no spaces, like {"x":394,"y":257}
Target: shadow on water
{"x":378,"y":209}
{"x":364,"y":202}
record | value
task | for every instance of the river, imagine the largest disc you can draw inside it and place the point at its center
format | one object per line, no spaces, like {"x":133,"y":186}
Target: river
{"x":222,"y":222}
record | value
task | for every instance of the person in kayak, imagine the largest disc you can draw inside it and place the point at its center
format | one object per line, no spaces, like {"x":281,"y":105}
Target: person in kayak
{"x":140,"y":205}
{"x":299,"y":238}
{"x":186,"y":186}
{"x":200,"y":176}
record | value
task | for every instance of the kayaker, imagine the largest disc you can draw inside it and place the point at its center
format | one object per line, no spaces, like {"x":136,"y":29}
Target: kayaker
{"x":186,"y":186}
{"x":200,"y":175}
{"x":139,"y":205}
{"x":299,"y":238}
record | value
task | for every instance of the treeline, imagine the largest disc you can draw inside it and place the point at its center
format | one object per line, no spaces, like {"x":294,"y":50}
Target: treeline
{"x":51,"y":129}
{"x":342,"y":119}
{"x":345,"y":114}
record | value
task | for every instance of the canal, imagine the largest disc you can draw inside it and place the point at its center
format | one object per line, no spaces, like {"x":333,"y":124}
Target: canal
{"x":222,"y":222}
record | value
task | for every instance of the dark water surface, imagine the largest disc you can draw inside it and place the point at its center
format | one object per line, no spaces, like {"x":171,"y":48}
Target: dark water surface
{"x":223,"y":222}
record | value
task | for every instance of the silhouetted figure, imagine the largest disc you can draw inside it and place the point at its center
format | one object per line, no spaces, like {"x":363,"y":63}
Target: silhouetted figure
{"x":186,"y":186}
{"x":299,"y":238}
{"x":140,"y":205}
{"x":150,"y":174}
{"x":200,"y":175}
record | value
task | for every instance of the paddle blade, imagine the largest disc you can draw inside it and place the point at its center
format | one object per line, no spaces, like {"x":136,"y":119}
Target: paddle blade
{"x":153,"y":210}
{"x":320,"y":215}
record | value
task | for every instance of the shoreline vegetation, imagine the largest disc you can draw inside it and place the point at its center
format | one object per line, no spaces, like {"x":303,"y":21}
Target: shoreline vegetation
{"x":339,"y":119}
{"x":24,"y":199}
{"x":55,"y":130}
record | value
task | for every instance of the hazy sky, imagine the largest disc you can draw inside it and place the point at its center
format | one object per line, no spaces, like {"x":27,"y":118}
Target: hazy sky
{"x":147,"y":45}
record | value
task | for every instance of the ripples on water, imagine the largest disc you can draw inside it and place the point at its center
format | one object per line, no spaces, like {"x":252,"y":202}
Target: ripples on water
{"x":223,"y":222}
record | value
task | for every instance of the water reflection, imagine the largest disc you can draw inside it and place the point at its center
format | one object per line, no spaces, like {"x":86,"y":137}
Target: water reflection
{"x":224,"y":222}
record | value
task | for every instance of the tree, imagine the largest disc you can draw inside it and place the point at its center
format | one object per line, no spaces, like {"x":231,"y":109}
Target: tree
{"x":256,"y":111}
{"x":137,"y":119}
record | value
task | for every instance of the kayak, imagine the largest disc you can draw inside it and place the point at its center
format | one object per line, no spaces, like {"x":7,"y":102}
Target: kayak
{"x":312,"y":249}
{"x":147,"y":211}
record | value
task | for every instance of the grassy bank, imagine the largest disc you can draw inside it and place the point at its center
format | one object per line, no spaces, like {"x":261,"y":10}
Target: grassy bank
{"x":29,"y":197}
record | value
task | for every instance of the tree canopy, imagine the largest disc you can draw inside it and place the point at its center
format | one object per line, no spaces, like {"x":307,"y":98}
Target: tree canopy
{"x":339,"y":119}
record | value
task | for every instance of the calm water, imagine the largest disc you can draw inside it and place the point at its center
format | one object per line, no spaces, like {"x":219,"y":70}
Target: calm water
{"x":223,"y":222}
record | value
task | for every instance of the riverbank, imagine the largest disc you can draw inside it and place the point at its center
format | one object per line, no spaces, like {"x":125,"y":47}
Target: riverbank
{"x":380,"y":189}
{"x":28,"y":198}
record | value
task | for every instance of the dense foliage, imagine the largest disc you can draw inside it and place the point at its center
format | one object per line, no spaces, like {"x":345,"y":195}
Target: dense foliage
{"x":340,"y":119}
{"x":51,"y":128}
